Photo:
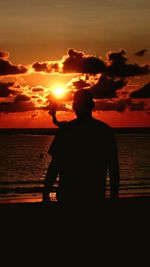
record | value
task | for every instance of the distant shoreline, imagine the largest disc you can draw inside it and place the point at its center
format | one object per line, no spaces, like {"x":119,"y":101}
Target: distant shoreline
{"x":52,"y":131}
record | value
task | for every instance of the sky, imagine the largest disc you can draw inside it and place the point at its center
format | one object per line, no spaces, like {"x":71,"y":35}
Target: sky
{"x":50,"y":49}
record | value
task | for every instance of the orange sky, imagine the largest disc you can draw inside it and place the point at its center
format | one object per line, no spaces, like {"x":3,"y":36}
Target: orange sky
{"x":102,"y":47}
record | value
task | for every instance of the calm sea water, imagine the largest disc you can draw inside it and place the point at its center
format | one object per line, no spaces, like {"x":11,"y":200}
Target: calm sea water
{"x":24,"y":162}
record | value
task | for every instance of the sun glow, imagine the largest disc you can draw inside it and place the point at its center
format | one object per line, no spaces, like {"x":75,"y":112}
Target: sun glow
{"x":59,"y":92}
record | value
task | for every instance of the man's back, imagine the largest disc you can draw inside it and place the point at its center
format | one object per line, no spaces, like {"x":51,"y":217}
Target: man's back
{"x":83,"y":149}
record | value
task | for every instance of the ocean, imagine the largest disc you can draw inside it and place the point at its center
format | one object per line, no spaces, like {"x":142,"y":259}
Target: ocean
{"x":24,"y":161}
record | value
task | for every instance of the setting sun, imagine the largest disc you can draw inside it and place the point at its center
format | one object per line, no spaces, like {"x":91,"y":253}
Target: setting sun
{"x":59,"y":91}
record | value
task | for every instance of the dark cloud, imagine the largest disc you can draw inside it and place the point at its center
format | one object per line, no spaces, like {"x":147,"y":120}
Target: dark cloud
{"x":143,"y":92}
{"x":80,"y":84}
{"x":117,"y":66}
{"x":74,"y":62}
{"x":105,"y":105}
{"x":107,"y":87}
{"x":34,"y":96}
{"x":21,"y":97}
{"x":5,"y":90}
{"x":46,"y":67}
{"x":4,"y":55}
{"x":60,"y":106}
{"x":119,"y":105}
{"x":19,"y":106}
{"x":40,"y":66}
{"x":117,"y":57}
{"x":78,"y":62}
{"x":6,"y":68}
{"x":141,"y":53}
{"x":37,"y":89}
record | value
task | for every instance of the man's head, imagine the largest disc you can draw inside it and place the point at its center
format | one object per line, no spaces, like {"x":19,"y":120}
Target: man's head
{"x":83,"y":102}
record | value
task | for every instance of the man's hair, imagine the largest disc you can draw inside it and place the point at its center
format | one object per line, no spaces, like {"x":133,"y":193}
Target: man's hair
{"x":83,"y":101}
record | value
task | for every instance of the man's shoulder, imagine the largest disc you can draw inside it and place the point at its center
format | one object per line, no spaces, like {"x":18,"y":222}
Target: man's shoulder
{"x":68,"y":125}
{"x":94,"y":124}
{"x":102,"y":125}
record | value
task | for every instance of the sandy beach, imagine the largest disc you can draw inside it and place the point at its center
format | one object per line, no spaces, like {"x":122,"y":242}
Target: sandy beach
{"x":116,"y":221}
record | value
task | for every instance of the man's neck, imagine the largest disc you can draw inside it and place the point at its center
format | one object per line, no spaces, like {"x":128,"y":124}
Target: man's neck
{"x":85,"y":116}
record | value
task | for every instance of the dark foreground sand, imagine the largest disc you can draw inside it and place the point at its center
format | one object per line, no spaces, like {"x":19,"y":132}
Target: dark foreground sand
{"x":114,"y":226}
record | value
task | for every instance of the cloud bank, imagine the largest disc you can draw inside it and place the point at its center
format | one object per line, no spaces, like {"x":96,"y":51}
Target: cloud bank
{"x":107,"y":80}
{"x":7,"y":68}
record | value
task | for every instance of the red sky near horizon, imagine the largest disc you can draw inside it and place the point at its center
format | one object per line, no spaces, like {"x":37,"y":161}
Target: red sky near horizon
{"x":51,"y":49}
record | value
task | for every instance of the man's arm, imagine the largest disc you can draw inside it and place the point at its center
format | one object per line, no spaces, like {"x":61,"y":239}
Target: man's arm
{"x":50,"y":179}
{"x":52,"y":112}
{"x":114,"y":171}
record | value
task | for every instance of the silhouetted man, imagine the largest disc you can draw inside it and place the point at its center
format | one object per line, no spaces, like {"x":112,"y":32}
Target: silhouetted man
{"x":83,"y":151}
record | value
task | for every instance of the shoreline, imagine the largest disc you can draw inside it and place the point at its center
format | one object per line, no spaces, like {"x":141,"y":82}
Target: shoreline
{"x":36,"y":199}
{"x":32,"y":201}
{"x":52,"y":131}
